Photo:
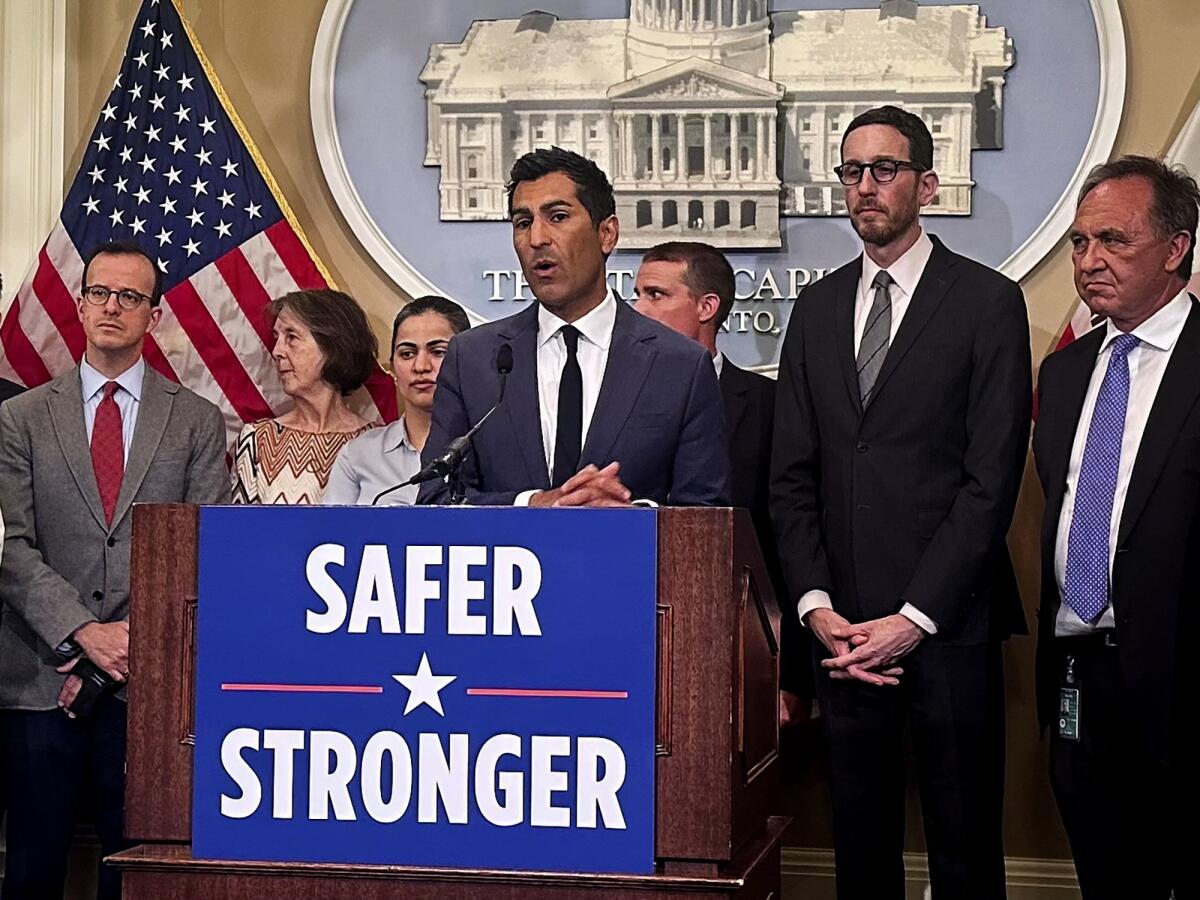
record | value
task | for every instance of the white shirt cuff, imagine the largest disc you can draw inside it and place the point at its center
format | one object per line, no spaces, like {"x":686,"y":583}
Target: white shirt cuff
{"x":918,"y":618}
{"x":813,"y":600}
{"x":523,"y":498}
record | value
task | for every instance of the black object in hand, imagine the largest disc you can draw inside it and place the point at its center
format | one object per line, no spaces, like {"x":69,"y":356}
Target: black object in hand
{"x":96,"y":683}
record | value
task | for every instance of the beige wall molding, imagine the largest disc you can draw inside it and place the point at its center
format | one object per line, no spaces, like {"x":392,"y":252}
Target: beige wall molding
{"x":808,"y":875}
{"x":33,"y":41}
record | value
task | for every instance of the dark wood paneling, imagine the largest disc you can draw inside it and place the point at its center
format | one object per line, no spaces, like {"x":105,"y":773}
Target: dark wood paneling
{"x":692,"y":814}
{"x":158,"y":794}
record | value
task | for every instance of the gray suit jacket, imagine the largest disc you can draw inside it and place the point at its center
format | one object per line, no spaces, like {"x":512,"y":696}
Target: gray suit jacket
{"x":62,"y":565}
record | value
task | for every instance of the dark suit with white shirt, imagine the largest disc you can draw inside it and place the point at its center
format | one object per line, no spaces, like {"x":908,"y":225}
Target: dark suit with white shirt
{"x":657,"y":409}
{"x":1127,"y":786}
{"x":902,"y":506}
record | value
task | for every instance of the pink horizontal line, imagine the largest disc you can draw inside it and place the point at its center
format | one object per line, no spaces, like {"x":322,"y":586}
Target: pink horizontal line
{"x":526,"y":692}
{"x":307,"y":688}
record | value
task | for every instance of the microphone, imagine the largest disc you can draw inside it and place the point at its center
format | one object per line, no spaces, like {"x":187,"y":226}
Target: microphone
{"x":451,"y":458}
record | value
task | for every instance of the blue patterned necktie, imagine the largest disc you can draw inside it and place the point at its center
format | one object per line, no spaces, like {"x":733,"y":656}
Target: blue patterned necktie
{"x":1085,"y":587}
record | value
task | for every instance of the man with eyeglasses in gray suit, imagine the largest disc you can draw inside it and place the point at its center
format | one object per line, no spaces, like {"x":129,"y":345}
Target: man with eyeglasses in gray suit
{"x":75,"y":454}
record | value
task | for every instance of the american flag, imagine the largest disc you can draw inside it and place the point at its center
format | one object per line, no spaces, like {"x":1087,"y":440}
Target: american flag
{"x":170,"y":165}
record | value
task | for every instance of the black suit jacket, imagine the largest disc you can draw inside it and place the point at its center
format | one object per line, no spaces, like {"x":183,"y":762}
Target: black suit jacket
{"x":749,"y":400}
{"x":910,"y":499}
{"x":1156,"y":568}
{"x":657,"y":412}
{"x":9,"y":389}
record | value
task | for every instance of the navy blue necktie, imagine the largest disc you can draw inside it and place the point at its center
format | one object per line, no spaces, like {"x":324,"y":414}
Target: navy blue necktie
{"x":1085,"y":586}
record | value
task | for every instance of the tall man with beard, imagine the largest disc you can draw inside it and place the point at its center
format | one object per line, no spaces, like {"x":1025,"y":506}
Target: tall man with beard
{"x":901,"y":429}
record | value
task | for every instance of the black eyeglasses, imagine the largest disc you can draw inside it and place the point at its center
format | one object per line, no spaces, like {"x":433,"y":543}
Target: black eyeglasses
{"x":98,"y":294}
{"x":882,"y":170}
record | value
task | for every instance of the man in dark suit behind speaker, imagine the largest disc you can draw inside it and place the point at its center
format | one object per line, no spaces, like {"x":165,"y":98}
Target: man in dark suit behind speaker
{"x":689,"y":286}
{"x":1117,"y":446}
{"x":901,"y":431}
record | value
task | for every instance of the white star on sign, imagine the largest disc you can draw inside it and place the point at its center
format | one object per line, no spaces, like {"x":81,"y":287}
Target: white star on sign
{"x":424,"y":687}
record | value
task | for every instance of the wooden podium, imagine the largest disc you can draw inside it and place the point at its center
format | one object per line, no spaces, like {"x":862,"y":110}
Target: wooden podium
{"x":717,"y":737}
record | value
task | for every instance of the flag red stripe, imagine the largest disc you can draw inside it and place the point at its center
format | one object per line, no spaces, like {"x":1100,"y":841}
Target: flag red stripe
{"x":383,"y":391}
{"x":60,"y":307}
{"x":157,"y":360}
{"x":19,"y":351}
{"x":251,"y":296}
{"x":295,"y":256}
{"x":1068,"y":335}
{"x":219,"y":358}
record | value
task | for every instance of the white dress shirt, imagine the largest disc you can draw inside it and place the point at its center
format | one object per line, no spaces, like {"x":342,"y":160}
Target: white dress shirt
{"x":376,"y":460}
{"x":1147,"y":363}
{"x":906,"y":273}
{"x":718,"y":363}
{"x":128,"y":397}
{"x":595,"y":337}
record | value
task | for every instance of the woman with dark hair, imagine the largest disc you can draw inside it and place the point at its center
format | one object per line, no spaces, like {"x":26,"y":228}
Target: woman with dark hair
{"x":374,"y":462}
{"x":324,"y":350}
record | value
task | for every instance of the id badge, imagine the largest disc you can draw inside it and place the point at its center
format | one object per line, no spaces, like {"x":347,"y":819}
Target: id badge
{"x":1068,"y":713}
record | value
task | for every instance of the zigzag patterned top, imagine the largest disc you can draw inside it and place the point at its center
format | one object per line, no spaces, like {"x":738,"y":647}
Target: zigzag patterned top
{"x":273,"y":463}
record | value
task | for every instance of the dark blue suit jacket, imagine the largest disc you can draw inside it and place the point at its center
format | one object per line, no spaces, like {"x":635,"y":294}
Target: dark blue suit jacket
{"x":659,"y":414}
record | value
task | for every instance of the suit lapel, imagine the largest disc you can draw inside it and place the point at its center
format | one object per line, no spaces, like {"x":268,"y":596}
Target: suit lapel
{"x":629,"y":357}
{"x":1176,"y":396}
{"x":845,"y":292}
{"x":154,"y":410}
{"x":1056,"y":432}
{"x":931,"y":290}
{"x":521,"y":402}
{"x":66,"y":413}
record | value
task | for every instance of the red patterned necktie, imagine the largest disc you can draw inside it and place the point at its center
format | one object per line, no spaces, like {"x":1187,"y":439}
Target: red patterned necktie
{"x":108,"y":450}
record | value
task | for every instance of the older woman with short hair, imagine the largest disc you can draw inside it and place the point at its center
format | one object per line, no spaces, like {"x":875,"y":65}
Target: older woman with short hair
{"x":370,"y":466}
{"x":324,"y":350}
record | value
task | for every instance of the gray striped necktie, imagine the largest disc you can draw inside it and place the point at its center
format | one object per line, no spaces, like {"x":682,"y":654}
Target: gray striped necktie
{"x":872,"y":350}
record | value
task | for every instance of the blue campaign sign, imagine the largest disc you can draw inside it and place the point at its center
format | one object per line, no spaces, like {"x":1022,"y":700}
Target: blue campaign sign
{"x":447,"y":687}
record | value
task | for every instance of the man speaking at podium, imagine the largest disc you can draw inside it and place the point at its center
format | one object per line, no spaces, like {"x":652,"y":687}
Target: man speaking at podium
{"x":603,"y":406}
